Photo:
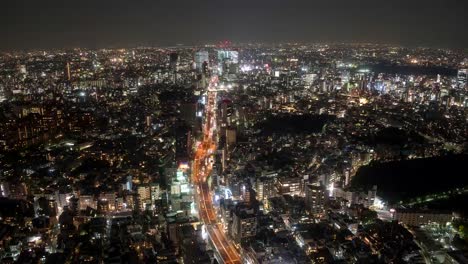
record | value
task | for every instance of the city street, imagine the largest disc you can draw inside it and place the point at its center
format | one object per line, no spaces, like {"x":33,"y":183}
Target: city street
{"x":200,"y":171}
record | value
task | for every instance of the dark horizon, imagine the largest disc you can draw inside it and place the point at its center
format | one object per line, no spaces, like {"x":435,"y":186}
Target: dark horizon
{"x":27,"y":24}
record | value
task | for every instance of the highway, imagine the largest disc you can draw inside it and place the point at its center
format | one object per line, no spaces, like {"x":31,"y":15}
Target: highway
{"x":201,"y":168}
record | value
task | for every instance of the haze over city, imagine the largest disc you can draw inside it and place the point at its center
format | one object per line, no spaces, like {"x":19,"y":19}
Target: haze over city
{"x":29,"y":24}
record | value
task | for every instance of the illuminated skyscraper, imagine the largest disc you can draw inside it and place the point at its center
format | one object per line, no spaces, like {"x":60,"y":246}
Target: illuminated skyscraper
{"x":315,"y":199}
{"x":228,"y":61}
{"x":244,"y":224}
{"x":200,"y":58}
{"x":462,"y":78}
{"x":173,"y":59}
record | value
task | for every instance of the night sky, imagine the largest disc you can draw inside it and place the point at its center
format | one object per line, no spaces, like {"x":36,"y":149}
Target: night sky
{"x":38,"y":24}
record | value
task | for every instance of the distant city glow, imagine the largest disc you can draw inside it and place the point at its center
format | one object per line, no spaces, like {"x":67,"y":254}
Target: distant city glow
{"x":246,"y":68}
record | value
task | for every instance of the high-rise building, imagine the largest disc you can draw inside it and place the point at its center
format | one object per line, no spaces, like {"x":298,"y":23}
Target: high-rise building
{"x":265,"y":188}
{"x":290,"y":185}
{"x":147,"y":194}
{"x":248,"y":194}
{"x":155,"y":192}
{"x":244,"y":224}
{"x":315,"y":199}
{"x":173,"y":59}
{"x":462,"y":78}
{"x":230,"y":55}
{"x":228,"y":62}
{"x":201,"y":57}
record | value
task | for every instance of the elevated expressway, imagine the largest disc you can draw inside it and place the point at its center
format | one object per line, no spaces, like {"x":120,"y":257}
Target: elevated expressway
{"x":225,"y":251}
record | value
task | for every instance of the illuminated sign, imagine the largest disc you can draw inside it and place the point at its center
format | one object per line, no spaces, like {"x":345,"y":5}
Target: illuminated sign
{"x":183,"y":165}
{"x":184,"y":188}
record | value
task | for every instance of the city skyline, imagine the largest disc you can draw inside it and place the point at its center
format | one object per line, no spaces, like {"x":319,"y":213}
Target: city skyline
{"x":233,"y":132}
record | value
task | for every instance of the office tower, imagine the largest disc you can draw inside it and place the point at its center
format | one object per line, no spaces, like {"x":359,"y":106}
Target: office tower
{"x":244,"y":223}
{"x":231,"y":55}
{"x":226,"y":207}
{"x":173,"y":60}
{"x":228,"y":61}
{"x":248,"y":194}
{"x":315,"y":199}
{"x":147,"y":194}
{"x":290,"y":185}
{"x":265,"y":188}
{"x":462,"y":78}
{"x":201,"y":58}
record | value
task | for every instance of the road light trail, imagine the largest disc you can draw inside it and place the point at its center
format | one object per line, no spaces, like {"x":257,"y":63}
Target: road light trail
{"x":200,"y":171}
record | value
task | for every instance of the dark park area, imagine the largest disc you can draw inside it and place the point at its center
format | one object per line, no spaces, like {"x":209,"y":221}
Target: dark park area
{"x":407,"y":179}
